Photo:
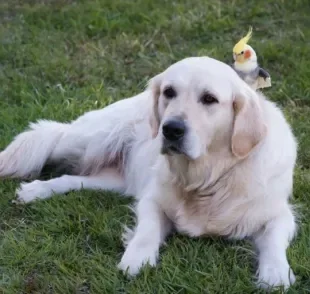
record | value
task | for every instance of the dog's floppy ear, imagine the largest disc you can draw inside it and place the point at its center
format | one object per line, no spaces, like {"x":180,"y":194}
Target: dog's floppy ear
{"x":154,"y":86}
{"x":249,"y":127}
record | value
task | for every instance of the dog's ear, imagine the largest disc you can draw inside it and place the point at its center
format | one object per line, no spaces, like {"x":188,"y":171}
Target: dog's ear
{"x":154,"y":87}
{"x":249,"y":127}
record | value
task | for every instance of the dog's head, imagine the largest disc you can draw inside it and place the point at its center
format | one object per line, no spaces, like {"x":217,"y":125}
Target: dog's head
{"x":201,"y":105}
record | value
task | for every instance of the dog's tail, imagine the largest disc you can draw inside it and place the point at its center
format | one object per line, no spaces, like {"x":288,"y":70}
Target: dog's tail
{"x":30,"y":150}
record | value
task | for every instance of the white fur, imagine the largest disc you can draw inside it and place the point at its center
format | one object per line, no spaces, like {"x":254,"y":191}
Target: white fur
{"x":233,"y":179}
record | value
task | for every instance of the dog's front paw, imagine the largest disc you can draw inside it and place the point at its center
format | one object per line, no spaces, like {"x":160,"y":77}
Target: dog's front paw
{"x":274,"y":274}
{"x":136,"y":256}
{"x":31,"y":191}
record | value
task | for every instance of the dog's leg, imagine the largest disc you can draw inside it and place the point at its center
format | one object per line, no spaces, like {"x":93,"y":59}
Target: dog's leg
{"x":152,"y":228}
{"x":272,"y":242}
{"x":107,"y":180}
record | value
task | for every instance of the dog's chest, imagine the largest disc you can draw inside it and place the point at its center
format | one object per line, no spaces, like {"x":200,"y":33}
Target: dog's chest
{"x":175,"y":203}
{"x":224,"y":213}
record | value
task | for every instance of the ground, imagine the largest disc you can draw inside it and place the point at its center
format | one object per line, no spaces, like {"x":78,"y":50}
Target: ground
{"x":60,"y":58}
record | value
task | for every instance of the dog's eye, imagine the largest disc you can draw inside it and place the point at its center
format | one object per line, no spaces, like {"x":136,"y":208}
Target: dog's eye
{"x":170,"y":93}
{"x":242,"y":52}
{"x":208,"y":99}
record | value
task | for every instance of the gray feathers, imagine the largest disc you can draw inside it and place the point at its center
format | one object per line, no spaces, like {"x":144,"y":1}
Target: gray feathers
{"x":257,"y":78}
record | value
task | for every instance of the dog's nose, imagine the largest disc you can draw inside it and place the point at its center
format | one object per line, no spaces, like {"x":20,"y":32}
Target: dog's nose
{"x":174,"y":130}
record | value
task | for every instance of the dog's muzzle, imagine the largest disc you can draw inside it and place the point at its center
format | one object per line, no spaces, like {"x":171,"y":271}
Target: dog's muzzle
{"x":174,"y":131}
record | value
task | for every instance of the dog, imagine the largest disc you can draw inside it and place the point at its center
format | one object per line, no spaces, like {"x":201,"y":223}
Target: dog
{"x":201,"y":152}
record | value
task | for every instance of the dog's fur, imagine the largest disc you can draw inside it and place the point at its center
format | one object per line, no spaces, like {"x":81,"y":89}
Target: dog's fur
{"x":232,"y":175}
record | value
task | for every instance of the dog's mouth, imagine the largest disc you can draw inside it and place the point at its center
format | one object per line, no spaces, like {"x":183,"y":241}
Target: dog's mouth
{"x":172,"y":148}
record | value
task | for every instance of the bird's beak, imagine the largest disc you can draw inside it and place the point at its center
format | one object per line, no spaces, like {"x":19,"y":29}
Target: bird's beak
{"x":239,"y":58}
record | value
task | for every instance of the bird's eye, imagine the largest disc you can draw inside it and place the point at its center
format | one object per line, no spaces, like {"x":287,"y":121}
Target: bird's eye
{"x":242,"y":52}
{"x":170,"y":93}
{"x":208,"y":99}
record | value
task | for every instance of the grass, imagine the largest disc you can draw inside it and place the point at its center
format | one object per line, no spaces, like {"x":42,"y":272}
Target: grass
{"x":61,"y":58}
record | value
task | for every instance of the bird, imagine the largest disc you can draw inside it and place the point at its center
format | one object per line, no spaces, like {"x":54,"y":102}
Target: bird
{"x":246,"y":65}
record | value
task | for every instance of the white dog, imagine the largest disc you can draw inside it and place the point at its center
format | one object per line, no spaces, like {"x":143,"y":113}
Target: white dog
{"x":200,"y":150}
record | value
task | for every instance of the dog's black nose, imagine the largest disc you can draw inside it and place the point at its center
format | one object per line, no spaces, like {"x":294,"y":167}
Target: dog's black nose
{"x":174,"y":130}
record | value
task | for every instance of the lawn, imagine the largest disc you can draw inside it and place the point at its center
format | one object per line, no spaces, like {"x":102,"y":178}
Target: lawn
{"x":61,"y":58}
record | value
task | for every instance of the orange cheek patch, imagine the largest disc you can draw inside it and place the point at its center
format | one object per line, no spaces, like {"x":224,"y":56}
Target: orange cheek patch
{"x":247,"y":54}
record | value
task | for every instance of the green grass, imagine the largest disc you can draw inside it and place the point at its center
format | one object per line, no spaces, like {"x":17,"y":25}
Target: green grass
{"x":61,"y":58}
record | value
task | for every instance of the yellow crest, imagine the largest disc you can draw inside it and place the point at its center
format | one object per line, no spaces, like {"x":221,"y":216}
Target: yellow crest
{"x":240,"y":45}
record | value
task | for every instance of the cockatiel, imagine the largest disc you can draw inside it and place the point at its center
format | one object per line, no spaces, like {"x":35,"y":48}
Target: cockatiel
{"x":246,"y":64}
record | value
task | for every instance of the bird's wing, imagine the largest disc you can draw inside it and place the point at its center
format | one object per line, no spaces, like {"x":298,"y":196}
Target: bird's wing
{"x":263,"y":73}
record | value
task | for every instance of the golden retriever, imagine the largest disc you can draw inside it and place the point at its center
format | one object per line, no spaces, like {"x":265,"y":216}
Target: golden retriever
{"x":199,"y":149}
